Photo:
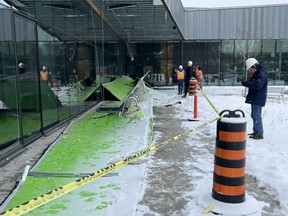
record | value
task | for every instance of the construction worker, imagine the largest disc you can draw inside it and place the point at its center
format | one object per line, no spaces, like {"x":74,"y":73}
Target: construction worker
{"x":189,"y":73}
{"x":46,"y":76}
{"x":257,"y":95}
{"x":199,"y":75}
{"x":21,"y":68}
{"x":180,"y":78}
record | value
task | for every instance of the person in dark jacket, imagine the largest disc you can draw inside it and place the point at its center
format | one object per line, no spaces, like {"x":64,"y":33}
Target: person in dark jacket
{"x":257,"y":94}
{"x":21,"y":68}
{"x":189,"y":73}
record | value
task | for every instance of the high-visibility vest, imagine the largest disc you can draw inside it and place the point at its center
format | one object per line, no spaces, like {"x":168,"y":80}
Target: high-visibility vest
{"x":44,"y":75}
{"x":199,"y":74}
{"x":180,"y":75}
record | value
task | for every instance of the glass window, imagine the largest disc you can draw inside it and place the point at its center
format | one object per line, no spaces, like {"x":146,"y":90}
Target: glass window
{"x":5,"y":23}
{"x":282,"y":53}
{"x":9,"y":116}
{"x":28,"y":95}
{"x":240,"y":56}
{"x":269,"y":59}
{"x":227,"y":62}
{"x":173,"y":60}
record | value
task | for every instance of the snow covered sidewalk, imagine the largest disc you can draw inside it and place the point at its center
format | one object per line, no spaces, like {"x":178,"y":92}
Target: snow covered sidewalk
{"x":266,"y":176}
{"x":170,"y":180}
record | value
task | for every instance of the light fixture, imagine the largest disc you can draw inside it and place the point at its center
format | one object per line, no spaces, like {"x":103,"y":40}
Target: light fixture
{"x":126,"y":15}
{"x":129,"y":49}
{"x":157,"y":2}
{"x":74,"y":15}
{"x":119,"y":6}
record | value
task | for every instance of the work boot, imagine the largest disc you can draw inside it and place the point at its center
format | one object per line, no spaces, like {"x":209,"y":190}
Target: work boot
{"x":184,"y":96}
{"x":250,"y":134}
{"x":257,"y":136}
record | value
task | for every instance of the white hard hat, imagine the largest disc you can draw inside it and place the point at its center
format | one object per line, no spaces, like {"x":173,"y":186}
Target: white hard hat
{"x":180,"y":67}
{"x":190,"y":63}
{"x":21,"y":64}
{"x":251,"y":62}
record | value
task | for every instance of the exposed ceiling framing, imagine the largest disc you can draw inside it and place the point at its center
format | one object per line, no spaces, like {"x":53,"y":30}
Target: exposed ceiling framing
{"x":90,"y":20}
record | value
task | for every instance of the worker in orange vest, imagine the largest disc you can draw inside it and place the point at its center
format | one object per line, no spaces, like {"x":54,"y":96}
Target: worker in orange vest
{"x":199,"y":75}
{"x":180,"y":78}
{"x":46,"y":76}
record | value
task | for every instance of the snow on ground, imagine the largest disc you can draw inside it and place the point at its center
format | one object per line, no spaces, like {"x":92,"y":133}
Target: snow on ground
{"x":120,"y":195}
{"x":265,"y":159}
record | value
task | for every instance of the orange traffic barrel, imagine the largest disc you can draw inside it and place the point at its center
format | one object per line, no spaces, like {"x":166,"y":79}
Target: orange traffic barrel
{"x":193,"y":86}
{"x":229,"y":159}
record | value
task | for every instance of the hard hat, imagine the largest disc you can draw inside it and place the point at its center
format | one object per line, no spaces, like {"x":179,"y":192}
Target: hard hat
{"x":251,"y":62}
{"x":190,"y":63}
{"x":180,"y":67}
{"x":21,"y":65}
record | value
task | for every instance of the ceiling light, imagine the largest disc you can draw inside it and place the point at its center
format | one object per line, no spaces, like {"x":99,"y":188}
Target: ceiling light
{"x":74,"y":15}
{"x":119,"y":6}
{"x":126,"y":15}
{"x":157,"y":2}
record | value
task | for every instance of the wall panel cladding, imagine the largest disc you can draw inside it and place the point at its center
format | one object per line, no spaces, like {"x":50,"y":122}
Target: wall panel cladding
{"x":242,"y":23}
{"x":5,"y":23}
{"x":267,"y":22}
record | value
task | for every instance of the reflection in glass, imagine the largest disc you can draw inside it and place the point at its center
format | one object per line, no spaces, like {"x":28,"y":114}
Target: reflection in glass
{"x":28,"y":91}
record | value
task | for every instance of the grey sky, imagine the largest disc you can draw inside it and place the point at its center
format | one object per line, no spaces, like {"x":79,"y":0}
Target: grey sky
{"x":229,"y":3}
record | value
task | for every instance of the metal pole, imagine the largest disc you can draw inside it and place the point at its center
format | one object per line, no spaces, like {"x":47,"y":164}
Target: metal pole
{"x":195,"y":106}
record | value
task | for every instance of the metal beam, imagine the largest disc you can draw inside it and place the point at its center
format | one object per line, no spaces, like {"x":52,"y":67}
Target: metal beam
{"x":101,"y":15}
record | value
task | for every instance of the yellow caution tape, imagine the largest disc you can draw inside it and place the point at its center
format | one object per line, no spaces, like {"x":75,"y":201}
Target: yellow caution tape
{"x":45,"y":198}
{"x":212,"y":105}
{"x":208,"y":209}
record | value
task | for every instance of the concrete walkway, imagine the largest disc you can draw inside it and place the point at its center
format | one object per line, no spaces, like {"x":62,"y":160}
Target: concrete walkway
{"x":167,"y":180}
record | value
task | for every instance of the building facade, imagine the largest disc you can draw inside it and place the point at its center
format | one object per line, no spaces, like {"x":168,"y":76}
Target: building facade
{"x":49,"y":50}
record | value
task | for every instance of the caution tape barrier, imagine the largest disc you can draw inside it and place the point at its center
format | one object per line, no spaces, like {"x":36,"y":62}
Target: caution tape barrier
{"x":212,"y":105}
{"x":54,"y":194}
{"x":45,"y":198}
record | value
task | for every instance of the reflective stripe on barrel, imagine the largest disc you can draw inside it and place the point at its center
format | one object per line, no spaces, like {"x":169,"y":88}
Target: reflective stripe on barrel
{"x":229,"y":169}
{"x":193,"y":87}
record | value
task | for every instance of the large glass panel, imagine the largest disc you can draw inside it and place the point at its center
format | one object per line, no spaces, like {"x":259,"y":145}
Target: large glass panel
{"x":201,"y":59}
{"x":26,"y":52}
{"x":189,"y":50}
{"x":254,"y":49}
{"x":9,"y":121}
{"x":147,"y":59}
{"x":61,"y":79}
{"x":213,"y":53}
{"x":160,"y":59}
{"x":269,"y":60}
{"x":5,"y":25}
{"x":227,"y":63}
{"x":9,"y":116}
{"x":86,"y":74}
{"x":114,"y":62}
{"x":173,"y":59}
{"x":49,"y":99}
{"x":240,"y":56}
{"x":282,"y":53}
